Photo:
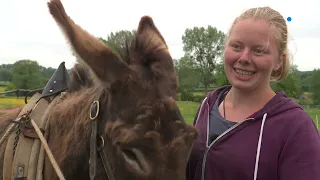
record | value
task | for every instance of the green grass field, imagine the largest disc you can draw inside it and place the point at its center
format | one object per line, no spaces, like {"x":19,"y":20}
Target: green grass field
{"x":188,"y":110}
{"x":7,"y":102}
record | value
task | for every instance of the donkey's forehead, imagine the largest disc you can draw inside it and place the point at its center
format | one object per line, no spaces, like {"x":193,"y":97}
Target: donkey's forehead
{"x":165,"y":103}
{"x":164,"y":108}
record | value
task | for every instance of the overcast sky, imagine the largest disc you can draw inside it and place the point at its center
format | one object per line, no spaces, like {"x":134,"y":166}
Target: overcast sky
{"x":29,"y":32}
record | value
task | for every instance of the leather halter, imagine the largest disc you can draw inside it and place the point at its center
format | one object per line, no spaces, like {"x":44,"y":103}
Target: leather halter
{"x":96,"y":146}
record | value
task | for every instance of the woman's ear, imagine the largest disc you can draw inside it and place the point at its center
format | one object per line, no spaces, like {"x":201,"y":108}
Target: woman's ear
{"x":279,"y":63}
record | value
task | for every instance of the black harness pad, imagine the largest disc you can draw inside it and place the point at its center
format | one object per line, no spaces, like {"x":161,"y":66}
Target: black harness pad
{"x":58,"y":82}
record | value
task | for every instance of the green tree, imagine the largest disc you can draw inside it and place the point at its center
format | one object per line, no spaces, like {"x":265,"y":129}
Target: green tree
{"x":7,"y":66}
{"x":291,"y":85}
{"x":220,"y":75}
{"x":5,"y":75}
{"x":46,"y":72}
{"x":306,"y":80}
{"x":26,"y":75}
{"x":118,"y":39}
{"x":204,"y":46}
{"x":315,"y":86}
{"x":188,"y":74}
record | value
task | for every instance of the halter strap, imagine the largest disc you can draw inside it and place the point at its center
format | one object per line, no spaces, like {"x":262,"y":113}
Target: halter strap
{"x":94,"y":117}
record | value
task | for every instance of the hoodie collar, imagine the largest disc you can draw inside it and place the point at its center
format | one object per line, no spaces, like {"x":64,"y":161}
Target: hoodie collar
{"x":279,"y":103}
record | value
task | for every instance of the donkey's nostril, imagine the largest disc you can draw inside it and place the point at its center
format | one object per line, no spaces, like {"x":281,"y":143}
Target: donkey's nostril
{"x":128,"y":153}
{"x":136,"y":161}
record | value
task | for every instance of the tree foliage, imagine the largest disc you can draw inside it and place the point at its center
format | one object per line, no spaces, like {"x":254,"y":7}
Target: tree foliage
{"x":188,"y":73}
{"x":5,"y":75}
{"x":291,"y":85}
{"x":220,"y":75}
{"x":118,"y":39}
{"x":315,"y":86}
{"x":204,"y":46}
{"x":26,"y":74}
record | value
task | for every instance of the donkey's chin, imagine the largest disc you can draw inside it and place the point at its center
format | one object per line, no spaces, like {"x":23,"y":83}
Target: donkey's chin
{"x":136,"y":161}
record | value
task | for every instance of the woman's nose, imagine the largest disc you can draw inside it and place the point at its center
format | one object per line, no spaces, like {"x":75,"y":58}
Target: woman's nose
{"x":245,"y":57}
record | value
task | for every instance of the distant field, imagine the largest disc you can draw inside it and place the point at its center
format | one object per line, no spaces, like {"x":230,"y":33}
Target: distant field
{"x":7,"y":102}
{"x":188,"y":110}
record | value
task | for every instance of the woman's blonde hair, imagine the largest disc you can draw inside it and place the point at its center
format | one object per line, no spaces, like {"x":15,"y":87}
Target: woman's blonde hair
{"x":280,"y":31}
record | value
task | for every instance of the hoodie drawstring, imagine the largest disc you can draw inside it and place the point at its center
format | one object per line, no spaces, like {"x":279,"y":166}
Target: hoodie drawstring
{"x":259,"y":148}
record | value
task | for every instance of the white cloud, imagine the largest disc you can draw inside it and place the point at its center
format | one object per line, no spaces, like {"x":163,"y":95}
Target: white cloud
{"x":29,"y":32}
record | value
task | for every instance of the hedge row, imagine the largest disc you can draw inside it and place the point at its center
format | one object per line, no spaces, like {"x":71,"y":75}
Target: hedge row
{"x":185,"y":95}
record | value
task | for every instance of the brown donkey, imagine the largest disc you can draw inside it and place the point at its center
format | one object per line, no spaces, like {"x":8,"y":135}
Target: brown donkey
{"x":144,"y":134}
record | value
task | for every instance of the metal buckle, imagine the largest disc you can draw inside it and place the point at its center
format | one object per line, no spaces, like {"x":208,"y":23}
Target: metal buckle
{"x":97,"y":106}
{"x":101,"y":143}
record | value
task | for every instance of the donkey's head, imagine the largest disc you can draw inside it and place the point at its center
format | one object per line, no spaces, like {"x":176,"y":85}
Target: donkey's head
{"x":145,"y":135}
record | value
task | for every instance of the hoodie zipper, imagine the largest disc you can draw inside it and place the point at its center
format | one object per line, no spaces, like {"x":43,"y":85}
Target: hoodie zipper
{"x":208,"y":147}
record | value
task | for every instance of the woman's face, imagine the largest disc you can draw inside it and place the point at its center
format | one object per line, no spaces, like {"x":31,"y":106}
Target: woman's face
{"x":251,"y":55}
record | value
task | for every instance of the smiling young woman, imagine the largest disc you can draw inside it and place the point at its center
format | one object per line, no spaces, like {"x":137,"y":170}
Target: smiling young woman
{"x":246,"y":130}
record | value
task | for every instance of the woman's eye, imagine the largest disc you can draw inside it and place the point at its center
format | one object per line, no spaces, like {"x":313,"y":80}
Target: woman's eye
{"x":235,"y":46}
{"x":258,"y":51}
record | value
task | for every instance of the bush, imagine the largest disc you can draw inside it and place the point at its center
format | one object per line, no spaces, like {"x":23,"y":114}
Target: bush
{"x":10,"y":87}
{"x":189,"y":95}
{"x":186,"y":95}
{"x":198,"y":98}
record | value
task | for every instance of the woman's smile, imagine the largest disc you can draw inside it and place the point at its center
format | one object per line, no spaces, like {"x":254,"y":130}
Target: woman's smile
{"x":243,"y":75}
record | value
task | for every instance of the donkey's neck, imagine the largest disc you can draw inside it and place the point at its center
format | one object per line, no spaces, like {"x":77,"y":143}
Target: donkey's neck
{"x":70,"y":129}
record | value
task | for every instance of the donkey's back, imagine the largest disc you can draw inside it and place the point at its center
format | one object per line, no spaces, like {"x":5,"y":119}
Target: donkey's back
{"x":6,"y":115}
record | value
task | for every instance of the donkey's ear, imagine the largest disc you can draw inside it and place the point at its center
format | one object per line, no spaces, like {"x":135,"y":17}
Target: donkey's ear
{"x":154,"y":54}
{"x":91,"y":51}
{"x":148,"y":29}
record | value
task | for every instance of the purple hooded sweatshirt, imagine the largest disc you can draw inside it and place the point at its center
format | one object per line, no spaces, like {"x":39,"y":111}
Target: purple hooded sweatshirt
{"x":279,"y":142}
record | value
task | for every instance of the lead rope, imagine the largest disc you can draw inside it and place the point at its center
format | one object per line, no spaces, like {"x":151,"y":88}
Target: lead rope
{"x":48,"y":151}
{"x":8,"y":132}
{"x":46,"y":147}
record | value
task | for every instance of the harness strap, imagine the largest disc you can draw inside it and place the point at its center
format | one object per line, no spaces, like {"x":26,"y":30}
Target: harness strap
{"x":106,"y":163}
{"x":93,"y":140}
{"x":94,"y":117}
